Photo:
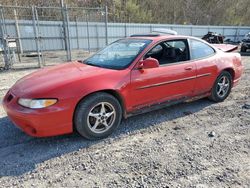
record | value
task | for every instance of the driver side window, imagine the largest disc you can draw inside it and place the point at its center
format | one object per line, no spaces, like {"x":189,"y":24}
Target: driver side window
{"x":170,"y":52}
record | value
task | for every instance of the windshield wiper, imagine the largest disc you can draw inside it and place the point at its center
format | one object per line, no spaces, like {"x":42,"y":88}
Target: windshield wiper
{"x":92,"y":64}
{"x":80,"y":61}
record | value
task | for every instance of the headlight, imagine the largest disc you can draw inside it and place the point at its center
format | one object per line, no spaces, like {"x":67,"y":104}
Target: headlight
{"x":36,"y":103}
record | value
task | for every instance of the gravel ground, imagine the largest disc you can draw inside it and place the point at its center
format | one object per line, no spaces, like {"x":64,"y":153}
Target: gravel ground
{"x":196,"y":144}
{"x":30,"y":60}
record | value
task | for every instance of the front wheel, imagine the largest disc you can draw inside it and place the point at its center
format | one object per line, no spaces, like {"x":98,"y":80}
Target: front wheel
{"x":222,"y":87}
{"x":97,"y":116}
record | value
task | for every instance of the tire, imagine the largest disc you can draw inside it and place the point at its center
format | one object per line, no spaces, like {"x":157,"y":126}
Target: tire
{"x":243,"y":49}
{"x":97,"y":116}
{"x":221,"y":90}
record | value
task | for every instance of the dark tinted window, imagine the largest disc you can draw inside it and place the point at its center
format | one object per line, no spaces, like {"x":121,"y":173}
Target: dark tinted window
{"x":200,"y":50}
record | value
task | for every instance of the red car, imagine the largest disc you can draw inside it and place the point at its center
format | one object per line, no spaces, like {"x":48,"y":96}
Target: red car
{"x":130,"y":76}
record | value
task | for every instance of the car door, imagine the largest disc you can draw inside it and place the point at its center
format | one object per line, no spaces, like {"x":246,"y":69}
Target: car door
{"x":174,"y":79}
{"x":205,"y":59}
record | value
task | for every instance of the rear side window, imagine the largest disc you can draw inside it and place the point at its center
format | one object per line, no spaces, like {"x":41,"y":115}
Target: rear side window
{"x":200,"y":50}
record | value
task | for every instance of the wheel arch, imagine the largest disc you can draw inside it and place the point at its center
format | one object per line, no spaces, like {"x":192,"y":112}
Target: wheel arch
{"x":112,"y":92}
{"x":231,"y":71}
{"x":119,"y":97}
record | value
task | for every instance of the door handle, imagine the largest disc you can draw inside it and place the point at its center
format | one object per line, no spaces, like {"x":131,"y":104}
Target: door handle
{"x":188,"y":68}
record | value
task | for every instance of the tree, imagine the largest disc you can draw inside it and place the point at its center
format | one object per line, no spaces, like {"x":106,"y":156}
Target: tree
{"x":209,"y":12}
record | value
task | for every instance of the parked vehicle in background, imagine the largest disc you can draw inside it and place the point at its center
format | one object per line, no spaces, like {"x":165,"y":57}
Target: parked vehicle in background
{"x":128,"y":77}
{"x":245,"y":45}
{"x":213,"y":38}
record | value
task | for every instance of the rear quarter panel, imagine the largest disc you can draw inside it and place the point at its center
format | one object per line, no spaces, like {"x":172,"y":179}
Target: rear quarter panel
{"x":207,"y":72}
{"x":231,"y":61}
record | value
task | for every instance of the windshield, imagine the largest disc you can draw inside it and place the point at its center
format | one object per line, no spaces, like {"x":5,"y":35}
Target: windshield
{"x":119,"y":54}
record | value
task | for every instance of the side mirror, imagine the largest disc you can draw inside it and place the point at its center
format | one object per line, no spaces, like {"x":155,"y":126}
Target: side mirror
{"x":149,"y":63}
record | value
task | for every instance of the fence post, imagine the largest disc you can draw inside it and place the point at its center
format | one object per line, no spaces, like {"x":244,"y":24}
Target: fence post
{"x":20,"y":48}
{"x":67,"y":33}
{"x":3,"y":36}
{"x":87,"y":22}
{"x":36,"y":36}
{"x":39,"y":36}
{"x":125,"y":29}
{"x":106,"y":25}
{"x":236,"y":37}
{"x":63,"y":27}
{"x":77,"y":34}
{"x":97,"y":36}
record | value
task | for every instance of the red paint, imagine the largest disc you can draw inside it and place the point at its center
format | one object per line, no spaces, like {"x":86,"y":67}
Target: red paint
{"x":149,"y":63}
{"x":71,"y":82}
{"x":226,"y":47}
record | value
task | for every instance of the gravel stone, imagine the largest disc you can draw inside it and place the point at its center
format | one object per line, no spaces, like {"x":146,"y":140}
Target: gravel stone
{"x":246,"y":106}
{"x":211,"y":134}
{"x":164,"y":148}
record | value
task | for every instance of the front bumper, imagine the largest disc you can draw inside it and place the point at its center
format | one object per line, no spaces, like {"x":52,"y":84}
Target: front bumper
{"x":51,"y":121}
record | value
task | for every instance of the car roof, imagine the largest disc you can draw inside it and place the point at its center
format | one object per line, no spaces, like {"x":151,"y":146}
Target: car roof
{"x":163,"y":37}
{"x":159,"y":37}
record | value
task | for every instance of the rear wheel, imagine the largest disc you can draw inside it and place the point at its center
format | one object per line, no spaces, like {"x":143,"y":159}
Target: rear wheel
{"x":97,"y":116}
{"x":222,"y":87}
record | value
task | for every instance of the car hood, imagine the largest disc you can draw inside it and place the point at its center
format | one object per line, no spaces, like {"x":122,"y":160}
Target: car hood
{"x":49,"y":78}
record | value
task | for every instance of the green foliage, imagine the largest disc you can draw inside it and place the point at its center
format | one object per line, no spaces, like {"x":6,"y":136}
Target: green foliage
{"x":209,"y":12}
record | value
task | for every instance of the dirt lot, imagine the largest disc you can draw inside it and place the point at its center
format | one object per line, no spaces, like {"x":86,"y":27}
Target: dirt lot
{"x":48,"y":58}
{"x":166,"y":148}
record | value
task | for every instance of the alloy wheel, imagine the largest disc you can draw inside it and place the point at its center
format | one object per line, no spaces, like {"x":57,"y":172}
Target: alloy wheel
{"x":101,"y":117}
{"x":223,"y":86}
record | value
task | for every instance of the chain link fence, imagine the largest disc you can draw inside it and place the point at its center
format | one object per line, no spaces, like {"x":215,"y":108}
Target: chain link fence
{"x":40,"y":36}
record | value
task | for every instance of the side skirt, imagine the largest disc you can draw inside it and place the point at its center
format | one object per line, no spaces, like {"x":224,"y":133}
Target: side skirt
{"x":165,"y":104}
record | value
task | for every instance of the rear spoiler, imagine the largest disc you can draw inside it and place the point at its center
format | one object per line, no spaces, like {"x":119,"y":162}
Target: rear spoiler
{"x":226,"y":47}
